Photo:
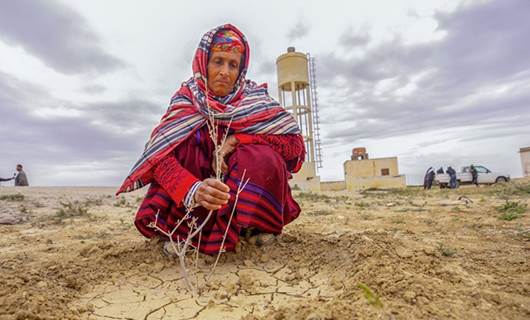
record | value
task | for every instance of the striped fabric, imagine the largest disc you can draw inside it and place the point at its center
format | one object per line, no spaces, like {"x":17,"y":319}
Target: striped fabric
{"x":249,"y":109}
{"x":265,"y":204}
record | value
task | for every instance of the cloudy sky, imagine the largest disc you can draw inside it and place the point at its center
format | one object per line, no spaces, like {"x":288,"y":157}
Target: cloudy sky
{"x":434,"y":82}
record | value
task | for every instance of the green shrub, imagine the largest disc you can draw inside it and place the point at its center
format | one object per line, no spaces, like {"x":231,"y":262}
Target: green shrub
{"x":512,"y":210}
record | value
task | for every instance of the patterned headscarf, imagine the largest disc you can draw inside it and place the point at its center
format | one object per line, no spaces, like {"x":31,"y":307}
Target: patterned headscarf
{"x":248,"y":109}
{"x":227,"y":41}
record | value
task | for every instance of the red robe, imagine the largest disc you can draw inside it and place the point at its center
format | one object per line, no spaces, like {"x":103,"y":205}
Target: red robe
{"x":266,"y":203}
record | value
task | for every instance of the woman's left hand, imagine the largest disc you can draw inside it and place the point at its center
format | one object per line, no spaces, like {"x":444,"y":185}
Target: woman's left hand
{"x":228,"y":147}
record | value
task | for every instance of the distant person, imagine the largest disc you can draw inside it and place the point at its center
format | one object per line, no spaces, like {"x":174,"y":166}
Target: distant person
{"x":21,"y":180}
{"x":428,"y":179}
{"x":474,"y":174}
{"x":440,"y":170}
{"x":452,"y":177}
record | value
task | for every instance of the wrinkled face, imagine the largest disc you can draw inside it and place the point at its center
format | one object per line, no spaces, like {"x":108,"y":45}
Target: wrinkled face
{"x":223,"y":71}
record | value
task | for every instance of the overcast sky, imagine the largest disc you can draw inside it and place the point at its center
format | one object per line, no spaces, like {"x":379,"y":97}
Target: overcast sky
{"x":433,"y":82}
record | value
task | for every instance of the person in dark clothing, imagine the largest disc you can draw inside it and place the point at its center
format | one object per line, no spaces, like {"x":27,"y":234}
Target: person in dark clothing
{"x":428,"y":179}
{"x":452,"y":177}
{"x":440,"y":170}
{"x":474,"y":174}
{"x":21,"y":180}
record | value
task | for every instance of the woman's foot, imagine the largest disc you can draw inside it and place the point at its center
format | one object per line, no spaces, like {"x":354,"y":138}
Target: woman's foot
{"x":258,"y":238}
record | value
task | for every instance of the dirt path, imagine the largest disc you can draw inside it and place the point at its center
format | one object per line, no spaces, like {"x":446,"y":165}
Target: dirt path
{"x":386,"y":255}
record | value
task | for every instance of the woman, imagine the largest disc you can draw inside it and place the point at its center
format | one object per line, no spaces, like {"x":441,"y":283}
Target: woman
{"x":263,"y":141}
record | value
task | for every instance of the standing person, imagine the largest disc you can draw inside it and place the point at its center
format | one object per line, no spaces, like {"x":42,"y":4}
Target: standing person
{"x":428,"y":178}
{"x":21,"y":180}
{"x":452,"y":177}
{"x":263,"y":140}
{"x":474,"y":174}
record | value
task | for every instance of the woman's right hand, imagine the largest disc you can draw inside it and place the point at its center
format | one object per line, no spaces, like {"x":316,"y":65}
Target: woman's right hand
{"x":212,"y":194}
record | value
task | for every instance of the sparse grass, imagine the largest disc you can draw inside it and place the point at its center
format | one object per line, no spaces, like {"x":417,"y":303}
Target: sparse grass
{"x":404,"y":192}
{"x":122,"y":203}
{"x":317,"y":197}
{"x":397,"y":220}
{"x":371,"y":297}
{"x":12,"y":197}
{"x":522,"y":232}
{"x":429,"y":222}
{"x":366,"y":216}
{"x":362,"y":204}
{"x":23,"y":209}
{"x":511,"y":210}
{"x":446,"y":251}
{"x":320,"y":213}
{"x":94,"y":202}
{"x":456,"y":209}
{"x":72,"y":209}
{"x":504,"y":190}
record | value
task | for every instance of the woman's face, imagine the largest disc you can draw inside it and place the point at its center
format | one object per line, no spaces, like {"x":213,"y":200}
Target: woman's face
{"x":223,"y":70}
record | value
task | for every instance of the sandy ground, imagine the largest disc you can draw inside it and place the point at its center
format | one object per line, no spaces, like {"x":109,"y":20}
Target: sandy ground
{"x":379,"y":255}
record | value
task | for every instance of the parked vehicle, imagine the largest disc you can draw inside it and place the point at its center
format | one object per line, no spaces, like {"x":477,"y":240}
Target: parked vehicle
{"x":485,"y":176}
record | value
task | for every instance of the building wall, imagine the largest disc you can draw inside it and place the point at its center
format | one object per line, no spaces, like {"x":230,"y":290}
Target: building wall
{"x":332,"y":185}
{"x":306,"y":179}
{"x":362,"y":174}
{"x":525,"y":162}
{"x":386,"y":182}
{"x":371,"y":167}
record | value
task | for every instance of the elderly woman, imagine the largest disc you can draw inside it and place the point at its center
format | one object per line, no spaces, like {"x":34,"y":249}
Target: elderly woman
{"x":263,"y":141}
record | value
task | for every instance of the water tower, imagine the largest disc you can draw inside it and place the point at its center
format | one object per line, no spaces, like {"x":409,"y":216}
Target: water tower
{"x":297,"y":93}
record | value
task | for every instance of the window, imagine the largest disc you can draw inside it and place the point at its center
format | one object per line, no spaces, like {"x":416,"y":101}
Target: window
{"x":385,"y":172}
{"x":481,"y":169}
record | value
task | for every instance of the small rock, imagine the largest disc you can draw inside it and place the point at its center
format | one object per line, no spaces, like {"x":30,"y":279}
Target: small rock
{"x":313,"y":316}
{"x":404,"y":252}
{"x":409,"y":296}
{"x":429,"y":251}
{"x":264,"y":258}
{"x":249,"y":263}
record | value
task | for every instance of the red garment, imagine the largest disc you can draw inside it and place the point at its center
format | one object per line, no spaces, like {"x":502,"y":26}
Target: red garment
{"x":248,"y":109}
{"x":176,"y":180}
{"x":266,"y":203}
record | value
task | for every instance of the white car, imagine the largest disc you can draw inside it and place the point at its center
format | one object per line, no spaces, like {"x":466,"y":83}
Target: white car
{"x":485,"y":176}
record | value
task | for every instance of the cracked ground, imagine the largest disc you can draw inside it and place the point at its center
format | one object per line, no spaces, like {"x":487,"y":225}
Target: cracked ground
{"x":404,"y":254}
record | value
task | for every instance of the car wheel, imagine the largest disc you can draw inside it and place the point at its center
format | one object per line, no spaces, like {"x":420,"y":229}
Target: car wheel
{"x":501,"y":180}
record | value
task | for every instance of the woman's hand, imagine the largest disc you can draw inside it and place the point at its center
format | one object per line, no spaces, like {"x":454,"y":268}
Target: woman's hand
{"x":229,"y":146}
{"x":212,"y":194}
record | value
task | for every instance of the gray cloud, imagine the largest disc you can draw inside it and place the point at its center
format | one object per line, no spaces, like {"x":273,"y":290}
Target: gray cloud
{"x":476,"y":75}
{"x":104,"y":133}
{"x":352,"y":39}
{"x":56,"y":34}
{"x":93,"y":89}
{"x":298,"y":31}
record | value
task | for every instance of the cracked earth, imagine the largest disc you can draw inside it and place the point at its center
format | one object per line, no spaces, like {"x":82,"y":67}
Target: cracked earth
{"x":422,"y":255}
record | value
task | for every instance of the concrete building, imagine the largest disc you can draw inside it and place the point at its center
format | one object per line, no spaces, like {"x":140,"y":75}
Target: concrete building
{"x":361,"y":172}
{"x":295,"y":94}
{"x":525,"y":161}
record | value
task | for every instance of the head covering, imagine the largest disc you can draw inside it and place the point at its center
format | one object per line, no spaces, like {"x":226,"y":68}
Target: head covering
{"x":227,"y":41}
{"x":248,"y":109}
